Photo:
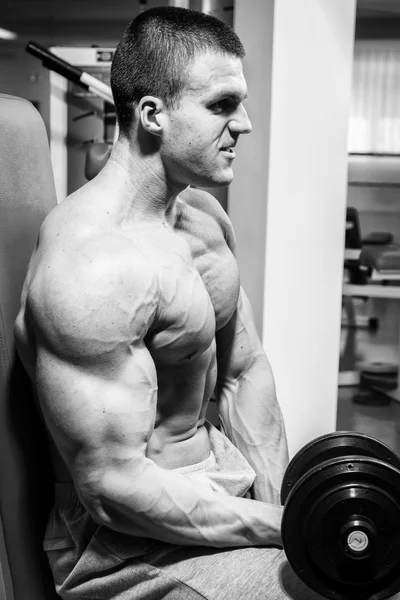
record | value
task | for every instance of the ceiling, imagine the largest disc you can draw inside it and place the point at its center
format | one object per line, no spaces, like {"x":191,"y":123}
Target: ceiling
{"x":75,"y":10}
{"x":70,"y":22}
{"x":62,"y":22}
{"x":36,"y":10}
{"x":75,"y":22}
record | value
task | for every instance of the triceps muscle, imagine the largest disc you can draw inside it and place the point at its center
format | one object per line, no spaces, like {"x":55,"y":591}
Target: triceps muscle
{"x":102,"y":414}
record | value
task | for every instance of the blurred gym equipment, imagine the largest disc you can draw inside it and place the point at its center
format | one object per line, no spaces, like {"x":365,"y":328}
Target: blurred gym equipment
{"x":82,"y":115}
{"x":372,"y":270}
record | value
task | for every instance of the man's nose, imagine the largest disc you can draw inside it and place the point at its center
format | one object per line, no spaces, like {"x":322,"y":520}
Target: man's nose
{"x":241,"y":123}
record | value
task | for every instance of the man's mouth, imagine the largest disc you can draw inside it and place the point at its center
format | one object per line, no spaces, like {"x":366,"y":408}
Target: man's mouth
{"x":229,"y":145}
{"x":229,"y":151}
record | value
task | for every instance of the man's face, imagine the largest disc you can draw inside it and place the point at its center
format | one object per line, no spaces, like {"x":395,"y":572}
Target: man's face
{"x":202,"y":131}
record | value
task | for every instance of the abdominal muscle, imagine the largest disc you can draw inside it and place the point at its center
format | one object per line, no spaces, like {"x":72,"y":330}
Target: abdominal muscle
{"x":190,"y":448}
{"x":179,"y":438}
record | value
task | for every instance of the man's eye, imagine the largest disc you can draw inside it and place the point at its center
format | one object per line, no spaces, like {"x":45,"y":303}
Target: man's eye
{"x":221,"y":105}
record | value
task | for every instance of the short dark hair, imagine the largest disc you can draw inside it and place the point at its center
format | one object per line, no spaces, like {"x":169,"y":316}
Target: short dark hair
{"x":155,"y":51}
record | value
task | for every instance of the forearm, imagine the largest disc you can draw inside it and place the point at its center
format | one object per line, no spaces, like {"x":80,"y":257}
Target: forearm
{"x":164,"y":505}
{"x":251,"y":418}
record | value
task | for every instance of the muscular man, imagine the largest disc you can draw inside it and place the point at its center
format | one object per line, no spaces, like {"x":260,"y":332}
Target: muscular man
{"x":132,"y":318}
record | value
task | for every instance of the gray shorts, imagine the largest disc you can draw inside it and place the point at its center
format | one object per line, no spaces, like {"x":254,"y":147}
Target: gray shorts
{"x":89,"y":561}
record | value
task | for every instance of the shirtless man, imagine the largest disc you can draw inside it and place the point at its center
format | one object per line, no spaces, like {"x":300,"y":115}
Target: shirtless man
{"x":132,"y":318}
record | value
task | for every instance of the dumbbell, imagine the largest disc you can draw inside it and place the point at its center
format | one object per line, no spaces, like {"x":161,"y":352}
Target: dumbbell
{"x":341,"y":517}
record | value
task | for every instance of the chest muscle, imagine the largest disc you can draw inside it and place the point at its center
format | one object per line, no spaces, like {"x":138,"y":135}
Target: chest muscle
{"x":200,"y":287}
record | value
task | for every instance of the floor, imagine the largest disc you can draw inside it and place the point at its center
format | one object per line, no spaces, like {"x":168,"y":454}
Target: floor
{"x":359,"y":345}
{"x":381,"y":422}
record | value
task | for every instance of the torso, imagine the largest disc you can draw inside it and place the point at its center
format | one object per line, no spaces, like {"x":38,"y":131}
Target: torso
{"x":199,"y":288}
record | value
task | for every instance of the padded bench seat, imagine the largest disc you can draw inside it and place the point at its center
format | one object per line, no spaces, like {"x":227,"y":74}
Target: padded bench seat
{"x":383,"y":259}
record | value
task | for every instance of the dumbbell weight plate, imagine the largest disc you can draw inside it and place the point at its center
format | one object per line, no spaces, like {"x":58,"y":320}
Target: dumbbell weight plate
{"x":341,"y":528}
{"x":380,"y":368}
{"x":334,"y":445}
{"x":382,"y":382}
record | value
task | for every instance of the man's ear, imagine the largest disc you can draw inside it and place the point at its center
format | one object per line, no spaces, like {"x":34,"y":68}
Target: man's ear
{"x":150,"y":110}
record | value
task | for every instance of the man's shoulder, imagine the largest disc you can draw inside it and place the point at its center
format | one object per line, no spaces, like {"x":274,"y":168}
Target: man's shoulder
{"x":94,"y":253}
{"x":208,"y":204}
{"x":92,"y":286}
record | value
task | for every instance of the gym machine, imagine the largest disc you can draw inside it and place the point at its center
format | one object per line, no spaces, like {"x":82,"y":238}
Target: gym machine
{"x":82,"y":114}
{"x":372,"y":270}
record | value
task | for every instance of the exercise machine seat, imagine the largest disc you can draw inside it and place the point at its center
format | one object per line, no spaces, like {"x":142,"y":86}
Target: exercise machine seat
{"x":27,"y":194}
{"x":378,"y":254}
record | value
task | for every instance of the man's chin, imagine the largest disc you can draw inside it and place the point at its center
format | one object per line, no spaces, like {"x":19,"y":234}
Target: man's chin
{"x":222,"y":180}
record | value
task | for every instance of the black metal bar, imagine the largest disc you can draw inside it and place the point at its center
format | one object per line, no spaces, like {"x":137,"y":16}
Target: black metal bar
{"x":54,"y":63}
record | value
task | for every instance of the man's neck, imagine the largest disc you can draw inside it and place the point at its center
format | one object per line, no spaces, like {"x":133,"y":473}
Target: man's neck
{"x":140,"y":183}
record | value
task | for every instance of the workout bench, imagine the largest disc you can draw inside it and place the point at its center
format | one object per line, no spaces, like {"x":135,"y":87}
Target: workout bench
{"x":27,"y":194}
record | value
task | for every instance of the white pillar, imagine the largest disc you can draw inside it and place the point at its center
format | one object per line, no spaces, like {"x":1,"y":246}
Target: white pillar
{"x":290,"y":192}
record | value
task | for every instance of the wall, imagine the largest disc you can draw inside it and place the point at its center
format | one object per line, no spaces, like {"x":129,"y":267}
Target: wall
{"x":295,"y":164}
{"x":312,"y":75}
{"x":379,"y":205}
{"x":247,"y":195}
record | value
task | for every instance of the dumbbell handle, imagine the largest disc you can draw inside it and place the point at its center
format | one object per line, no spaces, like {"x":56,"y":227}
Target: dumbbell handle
{"x":358,"y":535}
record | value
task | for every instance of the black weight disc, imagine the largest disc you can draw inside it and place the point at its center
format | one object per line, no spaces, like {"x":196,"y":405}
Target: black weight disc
{"x":382,"y":382}
{"x":341,"y":528}
{"x":380,"y":368}
{"x":334,"y":445}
